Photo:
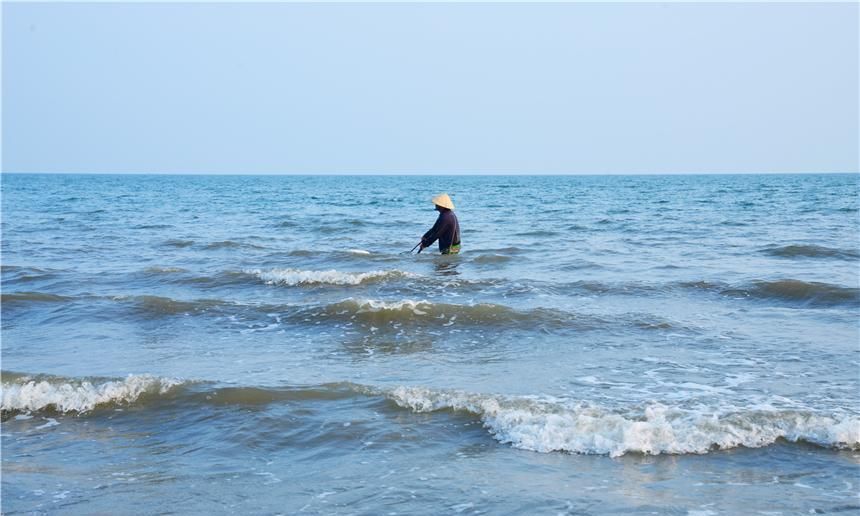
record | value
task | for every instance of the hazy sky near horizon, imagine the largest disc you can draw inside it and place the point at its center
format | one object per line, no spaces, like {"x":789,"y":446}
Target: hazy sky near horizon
{"x":430,"y":88}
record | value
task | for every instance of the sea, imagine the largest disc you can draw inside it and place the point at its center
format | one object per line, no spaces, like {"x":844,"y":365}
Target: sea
{"x":654,"y":344}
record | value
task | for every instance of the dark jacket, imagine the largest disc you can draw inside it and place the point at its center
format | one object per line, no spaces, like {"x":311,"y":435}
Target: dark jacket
{"x":446,"y":230}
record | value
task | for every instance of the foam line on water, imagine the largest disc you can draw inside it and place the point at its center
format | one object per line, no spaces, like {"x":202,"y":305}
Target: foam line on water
{"x":294,"y":277}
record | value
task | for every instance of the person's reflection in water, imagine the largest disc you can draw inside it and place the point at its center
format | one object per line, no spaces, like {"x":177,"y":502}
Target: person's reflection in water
{"x":447,"y":265}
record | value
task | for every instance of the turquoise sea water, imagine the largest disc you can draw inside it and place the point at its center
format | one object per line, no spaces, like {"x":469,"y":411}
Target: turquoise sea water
{"x":619,"y":344}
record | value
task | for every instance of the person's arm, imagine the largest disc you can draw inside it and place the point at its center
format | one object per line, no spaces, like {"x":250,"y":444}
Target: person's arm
{"x":431,"y":236}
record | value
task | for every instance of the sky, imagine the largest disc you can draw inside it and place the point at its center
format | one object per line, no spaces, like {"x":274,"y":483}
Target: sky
{"x":430,"y":88}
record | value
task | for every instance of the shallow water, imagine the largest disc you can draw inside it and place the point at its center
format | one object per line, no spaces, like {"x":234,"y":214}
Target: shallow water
{"x":635,"y":344}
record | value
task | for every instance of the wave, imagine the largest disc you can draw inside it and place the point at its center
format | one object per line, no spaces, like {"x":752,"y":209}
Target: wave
{"x":811,"y":251}
{"x":230,"y":244}
{"x":161,"y":306}
{"x":153,"y":226}
{"x":790,"y":291}
{"x":787,"y":291}
{"x":703,"y":285}
{"x":368,"y":314}
{"x":538,"y":424}
{"x":164,"y":270}
{"x":22,"y":298}
{"x":385,"y":313}
{"x":21,"y":268}
{"x":796,"y":291}
{"x":328,"y":229}
{"x":377,"y":315}
{"x":225,"y":244}
{"x":294,"y":277}
{"x":176,"y":242}
{"x":303,"y":277}
{"x":41,"y":393}
{"x":492,"y":258}
{"x":361,"y":256}
{"x":503,"y":250}
{"x":22,"y":393}
{"x":380,"y":315}
{"x":23,"y":274}
{"x":538,"y":233}
{"x":545,"y":426}
{"x":307,"y":277}
{"x":277,"y":276}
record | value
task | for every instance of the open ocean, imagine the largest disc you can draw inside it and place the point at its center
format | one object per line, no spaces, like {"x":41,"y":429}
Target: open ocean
{"x":264,"y":345}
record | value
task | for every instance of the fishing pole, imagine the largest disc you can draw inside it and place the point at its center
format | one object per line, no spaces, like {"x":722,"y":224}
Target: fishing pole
{"x":416,"y":245}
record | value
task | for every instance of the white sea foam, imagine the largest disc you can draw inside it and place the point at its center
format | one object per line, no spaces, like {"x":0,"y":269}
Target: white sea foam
{"x":79,"y":395}
{"x":547,"y":426}
{"x":292,"y":277}
{"x":375,"y":305}
{"x":165,"y":270}
{"x":49,"y":423}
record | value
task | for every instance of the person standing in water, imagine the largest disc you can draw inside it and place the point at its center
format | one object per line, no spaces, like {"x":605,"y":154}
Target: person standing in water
{"x":446,"y":229}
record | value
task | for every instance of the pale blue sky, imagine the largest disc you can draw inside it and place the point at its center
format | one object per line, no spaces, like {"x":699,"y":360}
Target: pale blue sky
{"x":430,"y":88}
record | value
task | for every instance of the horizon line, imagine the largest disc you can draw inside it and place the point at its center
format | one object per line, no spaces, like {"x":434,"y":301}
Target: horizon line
{"x":430,"y":174}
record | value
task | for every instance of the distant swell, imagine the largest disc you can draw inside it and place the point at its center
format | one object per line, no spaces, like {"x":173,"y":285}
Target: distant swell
{"x":230,"y":244}
{"x":811,"y":251}
{"x":294,"y":277}
{"x":175,"y":242}
{"x":153,"y":226}
{"x":17,"y":274}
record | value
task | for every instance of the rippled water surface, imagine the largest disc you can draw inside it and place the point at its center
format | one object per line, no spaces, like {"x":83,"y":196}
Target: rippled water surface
{"x":626,"y":344}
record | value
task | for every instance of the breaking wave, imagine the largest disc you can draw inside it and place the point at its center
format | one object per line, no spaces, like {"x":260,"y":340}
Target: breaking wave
{"x":24,"y":393}
{"x":383,"y":313}
{"x":538,"y":424}
{"x":545,"y":426}
{"x":295,"y":277}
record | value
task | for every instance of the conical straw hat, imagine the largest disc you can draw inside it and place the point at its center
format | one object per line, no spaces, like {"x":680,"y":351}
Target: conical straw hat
{"x":444,"y":201}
